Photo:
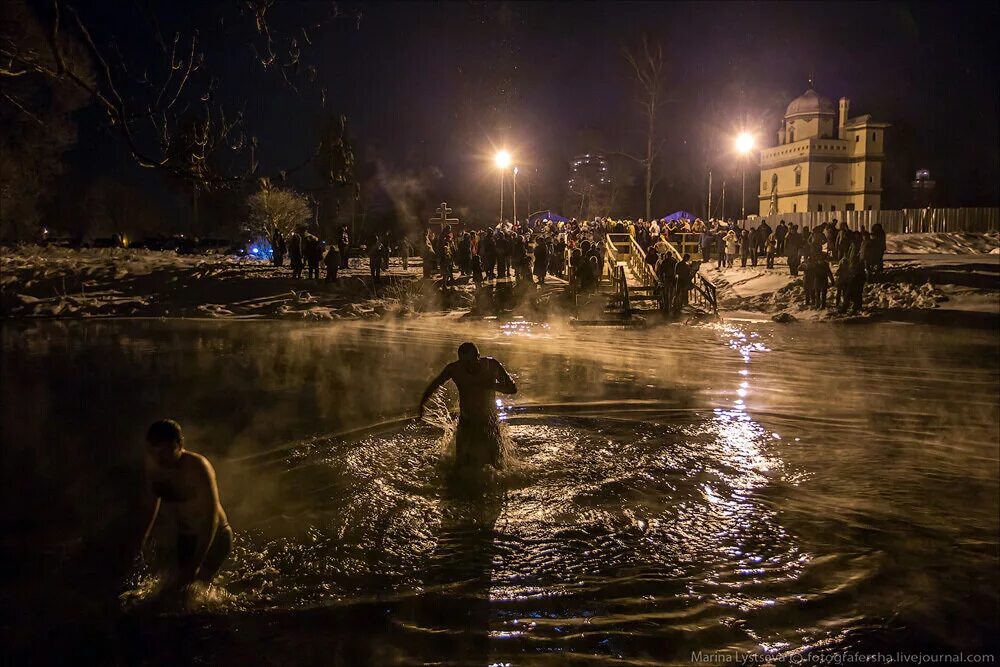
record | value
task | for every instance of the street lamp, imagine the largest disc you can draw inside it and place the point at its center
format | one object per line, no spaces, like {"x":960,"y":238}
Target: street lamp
{"x":502,"y":160}
{"x":515,"y":196}
{"x":744,"y":144}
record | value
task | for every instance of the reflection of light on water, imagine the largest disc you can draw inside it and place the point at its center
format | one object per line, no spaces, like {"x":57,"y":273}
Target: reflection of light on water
{"x":521,"y":327}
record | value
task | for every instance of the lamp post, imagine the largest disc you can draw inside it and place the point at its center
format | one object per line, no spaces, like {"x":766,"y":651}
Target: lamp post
{"x":744,"y":144}
{"x":502,"y":160}
{"x":514,"y":183}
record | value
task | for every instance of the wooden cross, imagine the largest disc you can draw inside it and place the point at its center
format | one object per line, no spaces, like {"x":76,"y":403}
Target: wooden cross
{"x":443,"y":210}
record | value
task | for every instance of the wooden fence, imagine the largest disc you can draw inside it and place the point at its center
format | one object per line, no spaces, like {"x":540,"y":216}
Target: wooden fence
{"x":906,"y":221}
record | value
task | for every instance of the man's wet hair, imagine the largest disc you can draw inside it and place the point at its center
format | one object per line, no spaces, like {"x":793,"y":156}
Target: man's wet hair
{"x":164,"y":431}
{"x":468,"y":351}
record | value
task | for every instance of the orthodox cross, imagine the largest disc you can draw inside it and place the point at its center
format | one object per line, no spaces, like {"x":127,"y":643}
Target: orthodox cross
{"x":443,"y":210}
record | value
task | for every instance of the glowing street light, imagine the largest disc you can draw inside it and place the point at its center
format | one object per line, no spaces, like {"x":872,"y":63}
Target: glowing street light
{"x":502,"y":161}
{"x":515,"y":196}
{"x":744,"y":144}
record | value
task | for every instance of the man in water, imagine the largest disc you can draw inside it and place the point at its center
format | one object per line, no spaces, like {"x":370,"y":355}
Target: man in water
{"x":477,"y":440}
{"x":181,"y":487}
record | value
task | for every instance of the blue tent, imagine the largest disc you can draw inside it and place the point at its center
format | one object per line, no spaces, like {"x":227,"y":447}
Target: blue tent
{"x":678,"y":215}
{"x":546,"y":215}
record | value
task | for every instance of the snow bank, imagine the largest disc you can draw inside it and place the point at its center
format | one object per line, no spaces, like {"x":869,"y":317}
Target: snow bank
{"x":943,"y":243}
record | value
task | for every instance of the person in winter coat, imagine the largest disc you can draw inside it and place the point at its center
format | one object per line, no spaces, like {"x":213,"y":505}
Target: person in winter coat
{"x":427,"y":254}
{"x":855,"y":283}
{"x":831,"y":241}
{"x":344,"y":244}
{"x":793,"y":250}
{"x":375,"y":259}
{"x":822,"y":279}
{"x":745,"y":243}
{"x":313,"y":253}
{"x":809,"y":281}
{"x":477,"y":270}
{"x":404,"y":253}
{"x":780,"y":232}
{"x":332,"y":262}
{"x":732,"y":243}
{"x":878,"y":251}
{"x":666,"y":271}
{"x":707,"y":241}
{"x":683,"y":273}
{"x":278,"y":247}
{"x":295,"y":254}
{"x":488,"y":251}
{"x":769,"y":248}
{"x":720,"y":249}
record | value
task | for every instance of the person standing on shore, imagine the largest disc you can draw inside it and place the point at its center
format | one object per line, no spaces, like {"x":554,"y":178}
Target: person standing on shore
{"x":345,"y":245}
{"x":793,"y":250}
{"x":295,"y":254}
{"x":375,"y":259}
{"x":332,"y":261}
{"x":822,"y":280}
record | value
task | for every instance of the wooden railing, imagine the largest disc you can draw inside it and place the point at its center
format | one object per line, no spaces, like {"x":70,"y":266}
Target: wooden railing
{"x":622,"y":289}
{"x":642,"y":271}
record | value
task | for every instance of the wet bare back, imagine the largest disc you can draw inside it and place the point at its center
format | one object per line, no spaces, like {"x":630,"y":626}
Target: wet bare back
{"x":477,"y":385}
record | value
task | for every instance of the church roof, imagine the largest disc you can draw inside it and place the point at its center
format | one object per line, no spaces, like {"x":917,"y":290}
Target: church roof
{"x":810,"y":103}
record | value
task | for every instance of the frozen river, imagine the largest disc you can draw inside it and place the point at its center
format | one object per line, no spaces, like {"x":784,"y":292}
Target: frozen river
{"x":733,"y":487}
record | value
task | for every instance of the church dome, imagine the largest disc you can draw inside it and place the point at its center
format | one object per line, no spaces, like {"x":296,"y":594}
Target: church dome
{"x":810,"y":103}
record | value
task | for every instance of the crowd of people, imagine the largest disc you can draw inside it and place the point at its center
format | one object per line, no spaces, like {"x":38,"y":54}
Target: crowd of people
{"x":529,"y":251}
{"x":859,"y":256}
{"x":526,"y":253}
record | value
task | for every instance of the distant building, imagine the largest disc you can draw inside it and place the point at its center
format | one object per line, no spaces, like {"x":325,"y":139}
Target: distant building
{"x":589,"y":192}
{"x":824,"y":161}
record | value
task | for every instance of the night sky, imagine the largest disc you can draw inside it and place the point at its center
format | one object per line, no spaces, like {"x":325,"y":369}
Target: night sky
{"x":431,"y":88}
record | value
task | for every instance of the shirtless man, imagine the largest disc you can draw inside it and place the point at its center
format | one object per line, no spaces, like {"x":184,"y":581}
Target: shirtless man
{"x":477,"y":440}
{"x":181,"y":487}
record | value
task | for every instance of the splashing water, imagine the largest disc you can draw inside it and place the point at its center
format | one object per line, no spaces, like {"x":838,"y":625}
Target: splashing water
{"x":437,"y":414}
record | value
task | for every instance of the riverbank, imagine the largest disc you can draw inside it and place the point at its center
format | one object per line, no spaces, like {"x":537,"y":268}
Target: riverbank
{"x":46,"y":283}
{"x":944,"y":278}
{"x":951,"y":278}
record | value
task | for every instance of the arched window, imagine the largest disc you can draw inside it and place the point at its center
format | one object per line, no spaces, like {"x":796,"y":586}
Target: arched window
{"x":798,"y":176}
{"x":791,"y":134}
{"x":829,"y":174}
{"x":774,"y":181}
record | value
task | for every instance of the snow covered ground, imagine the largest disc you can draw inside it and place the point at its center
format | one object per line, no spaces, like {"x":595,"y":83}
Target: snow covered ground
{"x":947,"y":276}
{"x":111,"y":282}
{"x":955,"y":275}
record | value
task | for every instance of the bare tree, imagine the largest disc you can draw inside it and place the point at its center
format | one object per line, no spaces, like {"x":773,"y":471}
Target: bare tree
{"x":154,"y":84}
{"x":647,"y":67}
{"x":280,"y":209}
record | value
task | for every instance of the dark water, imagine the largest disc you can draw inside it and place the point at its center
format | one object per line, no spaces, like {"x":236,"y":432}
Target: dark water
{"x":791,"y":491}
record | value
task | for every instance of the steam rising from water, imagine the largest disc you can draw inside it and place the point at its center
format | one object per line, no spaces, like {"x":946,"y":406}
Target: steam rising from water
{"x":734,"y":488}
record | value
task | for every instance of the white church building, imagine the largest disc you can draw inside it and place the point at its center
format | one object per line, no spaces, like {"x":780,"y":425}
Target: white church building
{"x":823,"y":161}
